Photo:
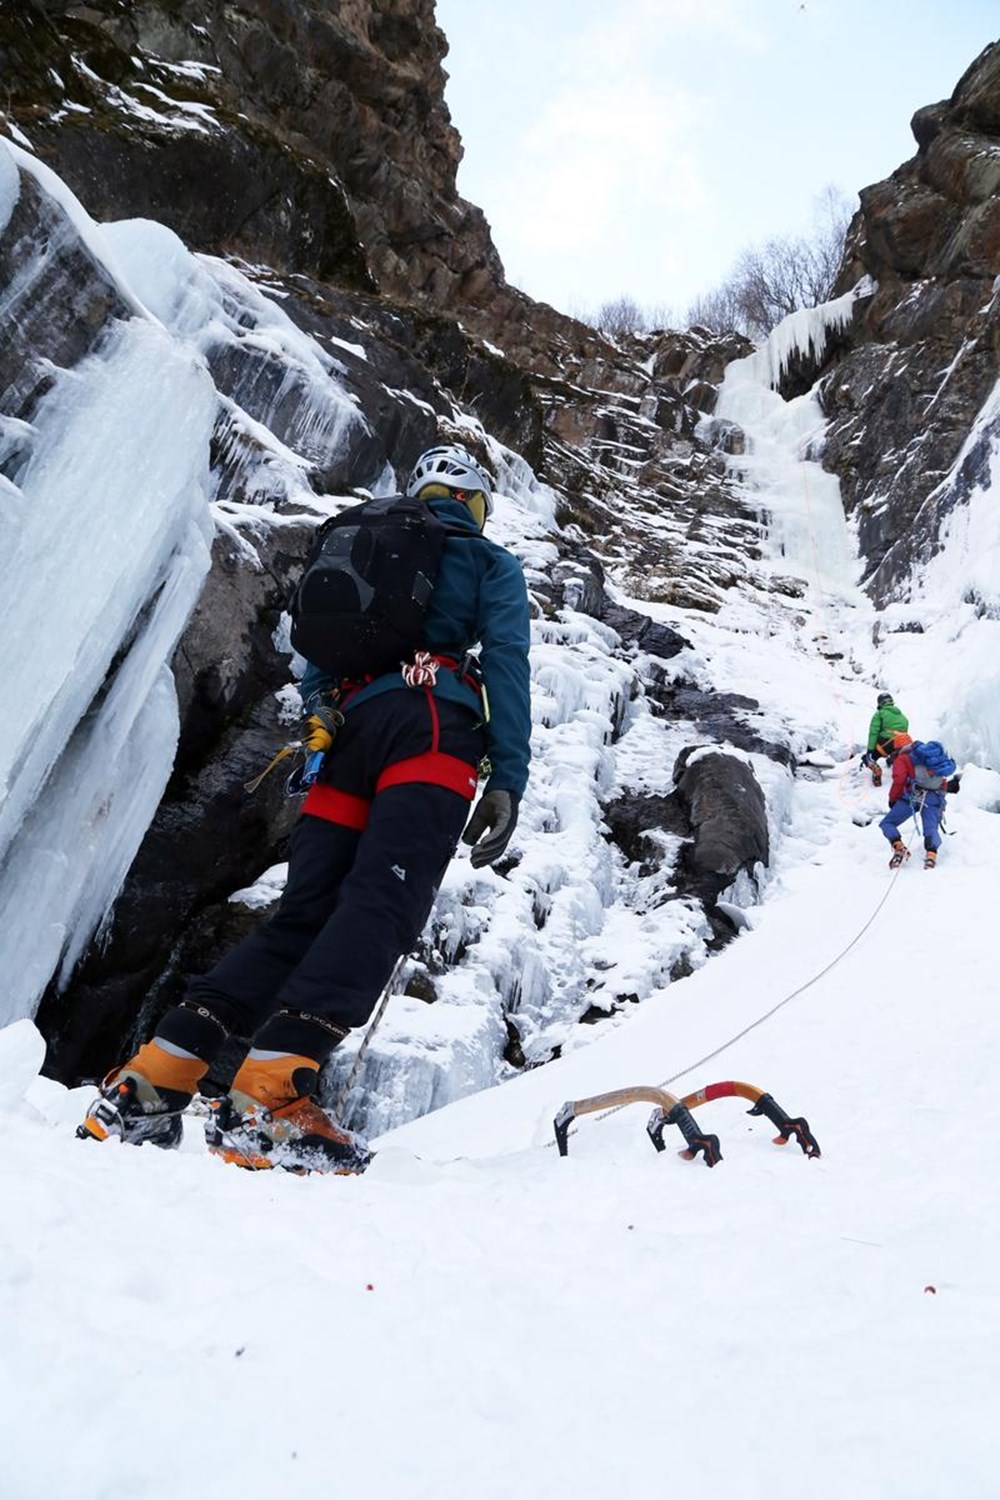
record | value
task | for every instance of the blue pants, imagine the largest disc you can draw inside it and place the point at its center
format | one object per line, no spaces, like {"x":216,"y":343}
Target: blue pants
{"x":930,"y":817}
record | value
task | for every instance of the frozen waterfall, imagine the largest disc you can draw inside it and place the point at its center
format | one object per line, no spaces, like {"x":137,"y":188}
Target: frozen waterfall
{"x":801,"y":503}
{"x":105,"y":545}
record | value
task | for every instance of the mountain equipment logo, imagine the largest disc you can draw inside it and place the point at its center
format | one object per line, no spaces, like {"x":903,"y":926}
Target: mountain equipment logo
{"x":399,"y":872}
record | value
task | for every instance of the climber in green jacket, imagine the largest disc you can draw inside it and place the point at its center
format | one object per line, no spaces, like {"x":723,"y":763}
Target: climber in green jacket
{"x":887,"y":720}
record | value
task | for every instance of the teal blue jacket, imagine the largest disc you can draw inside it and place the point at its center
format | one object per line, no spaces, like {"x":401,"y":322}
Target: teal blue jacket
{"x":480,"y":598}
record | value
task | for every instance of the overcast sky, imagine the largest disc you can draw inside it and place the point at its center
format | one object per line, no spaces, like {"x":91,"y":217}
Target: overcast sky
{"x":636,"y":146}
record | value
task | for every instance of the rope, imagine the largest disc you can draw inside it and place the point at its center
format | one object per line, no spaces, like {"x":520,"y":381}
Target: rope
{"x":709,"y":1056}
{"x":345,"y":1092}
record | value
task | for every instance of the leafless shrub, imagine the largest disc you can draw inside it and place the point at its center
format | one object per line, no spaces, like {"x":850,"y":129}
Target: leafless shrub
{"x":776,"y":278}
{"x":623,"y":315}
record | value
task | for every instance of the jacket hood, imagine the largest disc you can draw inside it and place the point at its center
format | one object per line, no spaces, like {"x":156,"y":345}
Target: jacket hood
{"x":454,"y":513}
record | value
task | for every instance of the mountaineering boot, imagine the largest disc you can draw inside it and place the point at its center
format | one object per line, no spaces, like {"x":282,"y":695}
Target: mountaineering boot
{"x":270,"y":1119}
{"x":876,"y":775}
{"x":899,"y":854}
{"x":930,"y":859}
{"x":144,"y":1099}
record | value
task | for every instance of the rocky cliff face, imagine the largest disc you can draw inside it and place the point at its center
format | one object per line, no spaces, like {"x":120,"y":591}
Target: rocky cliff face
{"x":906,"y":386}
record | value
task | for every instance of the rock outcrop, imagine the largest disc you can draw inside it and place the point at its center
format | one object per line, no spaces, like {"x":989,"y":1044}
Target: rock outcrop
{"x":923,"y":354}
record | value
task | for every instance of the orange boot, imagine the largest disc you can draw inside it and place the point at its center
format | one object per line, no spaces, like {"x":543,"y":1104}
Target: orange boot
{"x":270,"y":1119}
{"x":900,"y":854}
{"x":144,"y":1099}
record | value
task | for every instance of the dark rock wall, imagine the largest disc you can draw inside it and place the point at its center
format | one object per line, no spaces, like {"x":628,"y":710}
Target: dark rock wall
{"x":924,"y":351}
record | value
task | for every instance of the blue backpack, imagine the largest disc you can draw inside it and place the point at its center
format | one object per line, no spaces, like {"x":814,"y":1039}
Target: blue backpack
{"x":933,"y":767}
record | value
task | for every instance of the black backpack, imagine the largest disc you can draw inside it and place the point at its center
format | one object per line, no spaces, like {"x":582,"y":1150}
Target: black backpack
{"x":359,"y":606}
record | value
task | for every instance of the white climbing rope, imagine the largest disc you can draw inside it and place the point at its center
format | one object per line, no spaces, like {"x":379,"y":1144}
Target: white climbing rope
{"x":800,"y":990}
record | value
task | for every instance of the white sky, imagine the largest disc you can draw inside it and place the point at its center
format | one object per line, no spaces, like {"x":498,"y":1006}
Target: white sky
{"x":638,"y":147}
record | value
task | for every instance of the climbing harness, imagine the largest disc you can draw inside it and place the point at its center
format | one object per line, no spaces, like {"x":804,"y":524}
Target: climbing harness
{"x":673,"y":1111}
{"x":313,"y":748}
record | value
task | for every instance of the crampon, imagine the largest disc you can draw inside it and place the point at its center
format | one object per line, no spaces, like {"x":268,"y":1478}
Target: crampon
{"x":298,"y":1137}
{"x":133,"y":1110}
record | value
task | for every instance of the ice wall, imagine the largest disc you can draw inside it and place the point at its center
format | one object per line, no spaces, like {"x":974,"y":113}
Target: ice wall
{"x":103,"y":551}
{"x":942,"y":645}
{"x":800,"y":503}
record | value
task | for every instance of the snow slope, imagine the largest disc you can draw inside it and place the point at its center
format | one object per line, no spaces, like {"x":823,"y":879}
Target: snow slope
{"x":476,"y":1317}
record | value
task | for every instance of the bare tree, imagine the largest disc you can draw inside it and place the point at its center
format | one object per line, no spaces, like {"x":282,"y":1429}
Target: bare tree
{"x":776,"y":278}
{"x":623,"y":315}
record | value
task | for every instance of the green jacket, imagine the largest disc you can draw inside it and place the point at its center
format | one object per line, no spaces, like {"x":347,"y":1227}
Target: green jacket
{"x":885,"y":723}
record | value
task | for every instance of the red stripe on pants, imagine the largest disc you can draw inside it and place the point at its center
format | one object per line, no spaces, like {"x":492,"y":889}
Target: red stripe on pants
{"x":434,"y":768}
{"x":337,"y":807}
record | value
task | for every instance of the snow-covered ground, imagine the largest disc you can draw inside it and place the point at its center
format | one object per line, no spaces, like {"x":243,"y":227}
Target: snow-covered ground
{"x":476,"y":1317}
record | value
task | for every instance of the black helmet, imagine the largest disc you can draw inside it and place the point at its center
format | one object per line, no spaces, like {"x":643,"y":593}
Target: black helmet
{"x":883,"y":699}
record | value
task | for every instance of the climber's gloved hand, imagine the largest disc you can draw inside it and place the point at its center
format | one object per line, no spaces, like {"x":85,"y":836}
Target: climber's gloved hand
{"x":320,"y":728}
{"x":955,"y":784}
{"x":491,"y":826}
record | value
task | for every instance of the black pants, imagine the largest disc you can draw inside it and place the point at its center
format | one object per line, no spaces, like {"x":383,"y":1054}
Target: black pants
{"x":356,"y":898}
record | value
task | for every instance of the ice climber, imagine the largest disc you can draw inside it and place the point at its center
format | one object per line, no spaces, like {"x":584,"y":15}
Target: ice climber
{"x":374,"y":838}
{"x":886,"y":721}
{"x":916,"y":789}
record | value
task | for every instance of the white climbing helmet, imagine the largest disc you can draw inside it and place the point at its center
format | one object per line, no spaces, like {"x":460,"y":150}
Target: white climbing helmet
{"x":455,"y":468}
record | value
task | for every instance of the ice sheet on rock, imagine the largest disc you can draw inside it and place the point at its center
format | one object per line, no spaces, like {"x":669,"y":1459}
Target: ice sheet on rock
{"x":170,"y":281}
{"x":109,"y":552}
{"x":423,"y":1057}
{"x":90,"y":234}
{"x":799,"y":500}
{"x":10,"y":185}
{"x":804,"y":333}
{"x":74,"y":849}
{"x":950,"y":670}
{"x":288,"y":405}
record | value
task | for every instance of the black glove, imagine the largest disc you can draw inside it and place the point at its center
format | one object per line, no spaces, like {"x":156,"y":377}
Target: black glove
{"x":491,"y":826}
{"x":955,"y":784}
